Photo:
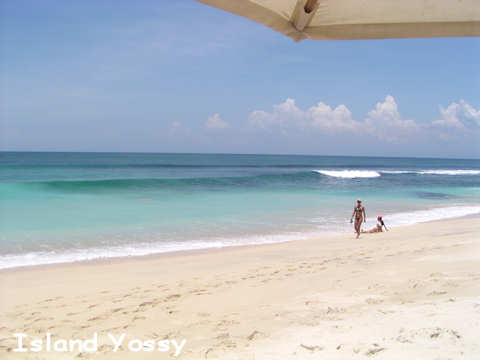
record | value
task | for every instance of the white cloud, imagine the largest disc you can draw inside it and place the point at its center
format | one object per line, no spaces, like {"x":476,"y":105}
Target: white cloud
{"x":329,"y":126}
{"x":289,"y":115}
{"x":458,"y":116}
{"x":216,"y":122}
{"x":284,"y":115}
{"x":260,"y":119}
{"x":383,"y":122}
{"x":324,"y":117}
{"x":386,"y":123}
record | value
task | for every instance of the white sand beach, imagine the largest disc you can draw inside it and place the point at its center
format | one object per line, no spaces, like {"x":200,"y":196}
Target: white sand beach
{"x":413,"y":292}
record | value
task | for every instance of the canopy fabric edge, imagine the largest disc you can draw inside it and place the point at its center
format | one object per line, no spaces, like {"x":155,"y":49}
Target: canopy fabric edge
{"x":258,"y":14}
{"x":393,"y":31}
{"x":284,"y":25}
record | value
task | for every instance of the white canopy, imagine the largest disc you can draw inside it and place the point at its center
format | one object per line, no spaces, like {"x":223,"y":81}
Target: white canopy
{"x":360,"y":19}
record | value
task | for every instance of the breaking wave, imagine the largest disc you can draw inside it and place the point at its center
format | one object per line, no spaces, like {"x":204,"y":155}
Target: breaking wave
{"x":450,"y":172}
{"x":349,"y":174}
{"x":352,"y":174}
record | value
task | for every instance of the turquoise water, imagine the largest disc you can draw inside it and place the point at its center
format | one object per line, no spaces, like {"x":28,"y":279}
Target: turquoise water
{"x":58,"y":207}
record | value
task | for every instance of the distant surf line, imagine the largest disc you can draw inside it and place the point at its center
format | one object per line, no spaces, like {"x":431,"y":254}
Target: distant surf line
{"x":351,"y":174}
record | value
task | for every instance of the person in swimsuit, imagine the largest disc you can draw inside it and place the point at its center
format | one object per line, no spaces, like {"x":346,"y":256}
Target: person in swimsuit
{"x":378,"y":228}
{"x":360,"y":216}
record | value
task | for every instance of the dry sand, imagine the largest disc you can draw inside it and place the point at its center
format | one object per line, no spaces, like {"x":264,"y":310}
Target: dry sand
{"x":413,"y":292}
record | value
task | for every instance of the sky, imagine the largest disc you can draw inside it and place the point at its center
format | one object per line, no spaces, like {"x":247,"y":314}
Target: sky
{"x":180,"y":76}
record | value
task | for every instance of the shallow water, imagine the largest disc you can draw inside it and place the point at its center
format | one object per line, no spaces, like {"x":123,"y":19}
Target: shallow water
{"x":58,"y":207}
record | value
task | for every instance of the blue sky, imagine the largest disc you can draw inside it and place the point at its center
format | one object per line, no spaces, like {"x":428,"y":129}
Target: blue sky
{"x":179,"y":76}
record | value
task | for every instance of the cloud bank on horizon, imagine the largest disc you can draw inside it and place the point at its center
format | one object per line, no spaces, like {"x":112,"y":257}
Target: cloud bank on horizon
{"x":384,"y":124}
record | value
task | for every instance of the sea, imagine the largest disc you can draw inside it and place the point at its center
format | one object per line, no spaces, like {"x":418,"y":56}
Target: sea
{"x":67,"y":207}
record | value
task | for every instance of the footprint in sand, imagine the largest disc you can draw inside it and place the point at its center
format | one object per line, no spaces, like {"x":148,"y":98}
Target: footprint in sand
{"x":312,"y":348}
{"x":144,"y":304}
{"x":255,"y":335}
{"x":374,"y":350}
{"x":437,"y":293}
{"x":373,"y":301}
{"x":98,"y":317}
{"x":39,"y":319}
{"x":172,"y":297}
{"x":199,"y":292}
{"x":44,"y":301}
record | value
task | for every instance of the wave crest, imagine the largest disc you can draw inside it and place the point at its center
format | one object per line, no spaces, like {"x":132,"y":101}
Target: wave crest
{"x":433,"y":172}
{"x":449,"y":172}
{"x":349,"y":174}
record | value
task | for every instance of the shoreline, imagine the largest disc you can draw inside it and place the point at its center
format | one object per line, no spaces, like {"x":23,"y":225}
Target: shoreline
{"x":415,"y":288}
{"x":121,"y":258}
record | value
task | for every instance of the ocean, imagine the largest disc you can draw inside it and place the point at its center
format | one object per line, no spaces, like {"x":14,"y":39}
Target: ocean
{"x":66,"y":207}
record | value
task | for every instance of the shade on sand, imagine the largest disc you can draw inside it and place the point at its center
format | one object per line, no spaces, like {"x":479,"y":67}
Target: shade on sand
{"x":360,"y":19}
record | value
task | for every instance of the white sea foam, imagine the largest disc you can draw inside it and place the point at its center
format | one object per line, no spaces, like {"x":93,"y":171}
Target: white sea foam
{"x":397,"y":172}
{"x":419,"y":216}
{"x":349,"y":174}
{"x":140,"y":249}
{"x":450,"y":172}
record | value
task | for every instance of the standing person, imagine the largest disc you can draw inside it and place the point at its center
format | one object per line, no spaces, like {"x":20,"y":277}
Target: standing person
{"x":360,"y":216}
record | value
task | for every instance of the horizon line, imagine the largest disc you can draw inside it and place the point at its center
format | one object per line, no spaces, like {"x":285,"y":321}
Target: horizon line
{"x":223,"y":153}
